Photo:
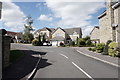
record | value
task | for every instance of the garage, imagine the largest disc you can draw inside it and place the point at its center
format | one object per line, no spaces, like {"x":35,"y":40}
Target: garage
{"x":57,"y":40}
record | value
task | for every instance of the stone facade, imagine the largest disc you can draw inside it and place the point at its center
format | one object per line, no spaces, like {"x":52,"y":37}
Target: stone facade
{"x":59,"y":32}
{"x":117,"y":22}
{"x":94,"y":35}
{"x":6,"y":50}
{"x":45,"y":31}
{"x":109,"y":23}
{"x":5,"y":40}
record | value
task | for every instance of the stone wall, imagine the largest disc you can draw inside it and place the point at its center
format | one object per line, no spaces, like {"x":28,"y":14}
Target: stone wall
{"x":59,"y":32}
{"x":105,"y":29}
{"x":0,"y":55}
{"x":95,"y":34}
{"x":5,"y":48}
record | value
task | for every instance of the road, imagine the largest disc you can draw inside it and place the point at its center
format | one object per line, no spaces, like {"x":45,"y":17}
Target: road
{"x":62,"y":62}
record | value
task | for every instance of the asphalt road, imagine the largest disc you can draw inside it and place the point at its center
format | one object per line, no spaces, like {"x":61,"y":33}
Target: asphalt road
{"x":61,"y":62}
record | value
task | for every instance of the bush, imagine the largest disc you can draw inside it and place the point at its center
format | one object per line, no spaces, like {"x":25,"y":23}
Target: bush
{"x":112,"y":49}
{"x":72,"y":43}
{"x":35,"y":42}
{"x":90,"y":49}
{"x":81,"y":43}
{"x":100,"y":47}
{"x":93,"y":49}
{"x":88,"y":43}
{"x":105,"y":50}
{"x":62,"y":44}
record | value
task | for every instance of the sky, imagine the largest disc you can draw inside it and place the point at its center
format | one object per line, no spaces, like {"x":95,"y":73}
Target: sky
{"x":52,"y":14}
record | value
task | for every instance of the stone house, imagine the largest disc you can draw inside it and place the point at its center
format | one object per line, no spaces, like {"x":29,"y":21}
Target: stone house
{"x":15,"y":36}
{"x":94,"y":35}
{"x":47,"y":32}
{"x":56,"y":36}
{"x":109,"y":24}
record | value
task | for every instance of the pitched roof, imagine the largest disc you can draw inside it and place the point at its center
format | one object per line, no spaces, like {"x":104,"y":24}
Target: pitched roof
{"x":12,"y":33}
{"x":57,"y":29}
{"x":113,"y":4}
{"x":94,"y":28}
{"x":70,"y":31}
{"x":44,"y":29}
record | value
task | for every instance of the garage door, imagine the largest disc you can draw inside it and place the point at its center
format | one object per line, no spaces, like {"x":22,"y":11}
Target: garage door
{"x":54,"y":43}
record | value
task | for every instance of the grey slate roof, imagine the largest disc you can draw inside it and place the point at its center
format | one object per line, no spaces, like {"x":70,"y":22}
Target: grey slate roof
{"x":43,"y":29}
{"x":70,"y":31}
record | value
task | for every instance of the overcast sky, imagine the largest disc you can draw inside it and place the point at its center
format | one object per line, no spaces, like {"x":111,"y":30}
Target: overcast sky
{"x":52,"y":14}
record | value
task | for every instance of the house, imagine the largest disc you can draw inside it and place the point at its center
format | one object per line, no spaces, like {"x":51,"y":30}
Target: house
{"x":65,"y":35}
{"x":94,"y":35}
{"x":59,"y":35}
{"x":109,"y":24}
{"x":15,"y":36}
{"x":44,"y":32}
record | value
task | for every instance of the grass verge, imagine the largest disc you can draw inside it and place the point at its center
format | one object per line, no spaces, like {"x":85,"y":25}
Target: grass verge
{"x":16,"y":55}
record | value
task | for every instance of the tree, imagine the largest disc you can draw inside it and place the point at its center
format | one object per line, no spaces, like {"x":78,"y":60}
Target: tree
{"x":27,"y":36}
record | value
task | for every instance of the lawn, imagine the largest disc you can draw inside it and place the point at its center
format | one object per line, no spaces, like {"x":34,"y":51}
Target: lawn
{"x":16,"y":55}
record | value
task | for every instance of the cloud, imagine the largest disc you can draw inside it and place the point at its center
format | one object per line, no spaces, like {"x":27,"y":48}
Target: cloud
{"x":73,"y":13}
{"x":12,"y":16}
{"x":87,"y":30}
{"x":45,"y":18}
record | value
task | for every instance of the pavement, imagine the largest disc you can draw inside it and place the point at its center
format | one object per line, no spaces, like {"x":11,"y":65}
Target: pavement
{"x":61,"y":63}
{"x":112,"y":60}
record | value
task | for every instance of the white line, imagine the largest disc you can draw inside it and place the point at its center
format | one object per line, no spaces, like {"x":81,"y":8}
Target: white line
{"x":98,"y":59}
{"x":64,"y":56}
{"x":34,"y":68}
{"x":82,"y":71}
{"x":32,"y":73}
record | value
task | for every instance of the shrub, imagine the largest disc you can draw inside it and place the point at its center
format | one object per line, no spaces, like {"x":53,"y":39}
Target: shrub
{"x":72,"y":43}
{"x":90,"y":49}
{"x":88,"y":43}
{"x":62,"y":44}
{"x":112,"y":49}
{"x":81,"y":42}
{"x":100,"y":47}
{"x":35,"y":42}
{"x":93,"y":49}
{"x":105,"y":50}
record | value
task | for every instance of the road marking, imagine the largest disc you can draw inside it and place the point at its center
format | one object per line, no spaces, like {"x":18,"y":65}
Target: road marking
{"x":64,"y":56}
{"x":98,"y":59}
{"x":34,"y":68}
{"x":82,"y":71}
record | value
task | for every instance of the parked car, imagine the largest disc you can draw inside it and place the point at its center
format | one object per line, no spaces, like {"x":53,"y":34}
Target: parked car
{"x":47,"y":44}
